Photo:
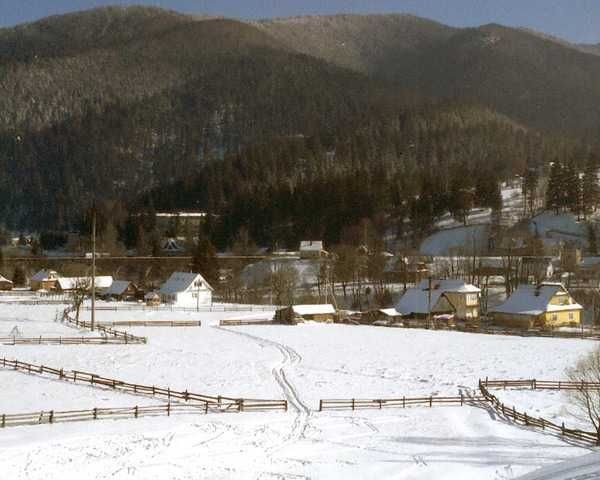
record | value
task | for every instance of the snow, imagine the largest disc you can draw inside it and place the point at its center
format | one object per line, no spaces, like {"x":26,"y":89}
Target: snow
{"x":469,"y":238}
{"x":313,"y":309}
{"x":586,"y":467}
{"x":117,"y":287}
{"x":301,"y":363}
{"x":71,"y":283}
{"x":417,"y":299}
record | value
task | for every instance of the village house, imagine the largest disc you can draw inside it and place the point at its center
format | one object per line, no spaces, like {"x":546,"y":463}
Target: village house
{"x":441,"y":297}
{"x":312,"y":249}
{"x":121,"y":290}
{"x":44,"y":280}
{"x":5,"y":284}
{"x":544,"y":305}
{"x":382,"y":315}
{"x":69,"y":284}
{"x":299,"y":313}
{"x":186,"y":289}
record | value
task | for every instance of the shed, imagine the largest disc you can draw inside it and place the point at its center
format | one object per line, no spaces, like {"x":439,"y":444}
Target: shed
{"x":5,"y":283}
{"x":298,"y":313}
{"x":152,"y":299}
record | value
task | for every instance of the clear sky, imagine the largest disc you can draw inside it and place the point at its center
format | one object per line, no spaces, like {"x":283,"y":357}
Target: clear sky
{"x":574,"y":20}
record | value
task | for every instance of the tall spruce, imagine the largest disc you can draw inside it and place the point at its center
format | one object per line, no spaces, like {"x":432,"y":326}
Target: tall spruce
{"x":591,"y":189}
{"x":205,"y":262}
{"x":554,"y":191}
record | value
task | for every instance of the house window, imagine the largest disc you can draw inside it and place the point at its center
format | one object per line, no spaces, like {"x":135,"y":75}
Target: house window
{"x":554,"y":317}
{"x":571,"y":316}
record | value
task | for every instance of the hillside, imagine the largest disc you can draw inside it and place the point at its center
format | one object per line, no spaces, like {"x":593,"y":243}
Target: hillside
{"x":539,"y":80}
{"x":128,"y":105}
{"x":361,"y":42}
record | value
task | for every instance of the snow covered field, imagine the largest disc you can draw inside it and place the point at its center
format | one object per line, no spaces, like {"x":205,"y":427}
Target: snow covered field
{"x":302,"y":364}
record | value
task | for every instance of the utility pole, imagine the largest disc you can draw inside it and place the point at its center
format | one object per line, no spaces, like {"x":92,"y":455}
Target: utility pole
{"x":429,"y":303}
{"x":93,"y":267}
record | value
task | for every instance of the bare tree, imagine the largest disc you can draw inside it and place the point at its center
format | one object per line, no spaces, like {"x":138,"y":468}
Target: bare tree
{"x":587,"y":400}
{"x":80,"y":291}
{"x":284,"y":280}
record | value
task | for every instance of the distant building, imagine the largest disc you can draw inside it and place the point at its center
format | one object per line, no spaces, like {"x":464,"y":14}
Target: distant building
{"x":186,"y":289}
{"x":299,"y":313}
{"x":179,"y":222}
{"x":312,"y":249}
{"x":5,"y":283}
{"x":544,"y":305}
{"x":44,"y":280}
{"x":152,"y":299}
{"x":445,"y":297}
{"x":68,"y":284}
{"x":121,"y":290}
{"x":172,"y":245}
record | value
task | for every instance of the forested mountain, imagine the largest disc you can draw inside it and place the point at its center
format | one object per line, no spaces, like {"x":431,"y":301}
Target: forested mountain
{"x":141,"y":107}
{"x":538,"y":80}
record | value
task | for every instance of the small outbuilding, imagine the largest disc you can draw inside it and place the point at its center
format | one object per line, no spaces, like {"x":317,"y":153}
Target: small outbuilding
{"x":5,"y":284}
{"x":312,"y":249}
{"x":299,"y":313}
{"x":152,"y":299}
{"x":387,"y":315}
{"x":544,"y":305}
{"x":44,"y":280}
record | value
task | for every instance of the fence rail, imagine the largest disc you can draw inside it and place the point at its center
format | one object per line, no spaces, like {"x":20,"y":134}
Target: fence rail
{"x":52,"y":416}
{"x":151,"y":323}
{"x":232,"y":322}
{"x":108,"y":331}
{"x":403,"y":402}
{"x":219,"y":401}
{"x":104,"y":340}
{"x":535,"y":384}
{"x":172,"y":308}
{"x":539,"y":422}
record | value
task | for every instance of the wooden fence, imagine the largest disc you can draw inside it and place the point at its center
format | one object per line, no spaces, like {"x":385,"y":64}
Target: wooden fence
{"x":528,"y":420}
{"x":232,"y":322}
{"x":52,"y":416}
{"x":152,"y":323}
{"x":172,"y":308}
{"x":219,"y":402}
{"x":403,"y":402}
{"x":535,"y":384}
{"x":109,"y":332}
{"x":104,"y":340}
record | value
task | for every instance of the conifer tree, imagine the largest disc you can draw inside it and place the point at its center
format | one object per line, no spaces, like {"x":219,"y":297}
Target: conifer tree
{"x":591,"y":189}
{"x":205,"y":262}
{"x":554,"y":192}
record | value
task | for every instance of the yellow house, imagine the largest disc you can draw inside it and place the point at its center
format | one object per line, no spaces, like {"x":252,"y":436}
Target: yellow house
{"x":544,"y":305}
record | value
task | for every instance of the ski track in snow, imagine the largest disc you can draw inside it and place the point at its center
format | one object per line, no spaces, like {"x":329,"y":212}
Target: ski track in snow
{"x":291,"y":358}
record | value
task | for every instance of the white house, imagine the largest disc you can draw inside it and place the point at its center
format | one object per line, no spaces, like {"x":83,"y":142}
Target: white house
{"x":186,"y":289}
{"x":312,"y":249}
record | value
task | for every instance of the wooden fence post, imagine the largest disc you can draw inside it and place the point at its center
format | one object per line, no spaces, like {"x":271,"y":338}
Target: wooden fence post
{"x":168,"y":409}
{"x":430,"y":400}
{"x":403,"y":402}
{"x":51,"y":417}
{"x":461,"y":399}
{"x":95,"y":413}
{"x":135,"y":411}
{"x":205,"y":408}
{"x":3,"y":420}
{"x":353,"y":404}
{"x":320,"y":405}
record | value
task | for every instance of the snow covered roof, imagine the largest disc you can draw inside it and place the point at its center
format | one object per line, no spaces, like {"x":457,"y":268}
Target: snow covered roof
{"x":390,"y":312}
{"x":416,"y":300}
{"x":311,"y":245}
{"x":313,"y":309}
{"x":45,"y":275}
{"x":4,"y":279}
{"x":182,"y":281}
{"x":535,"y":300}
{"x":118,"y":287}
{"x":70,"y":283}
